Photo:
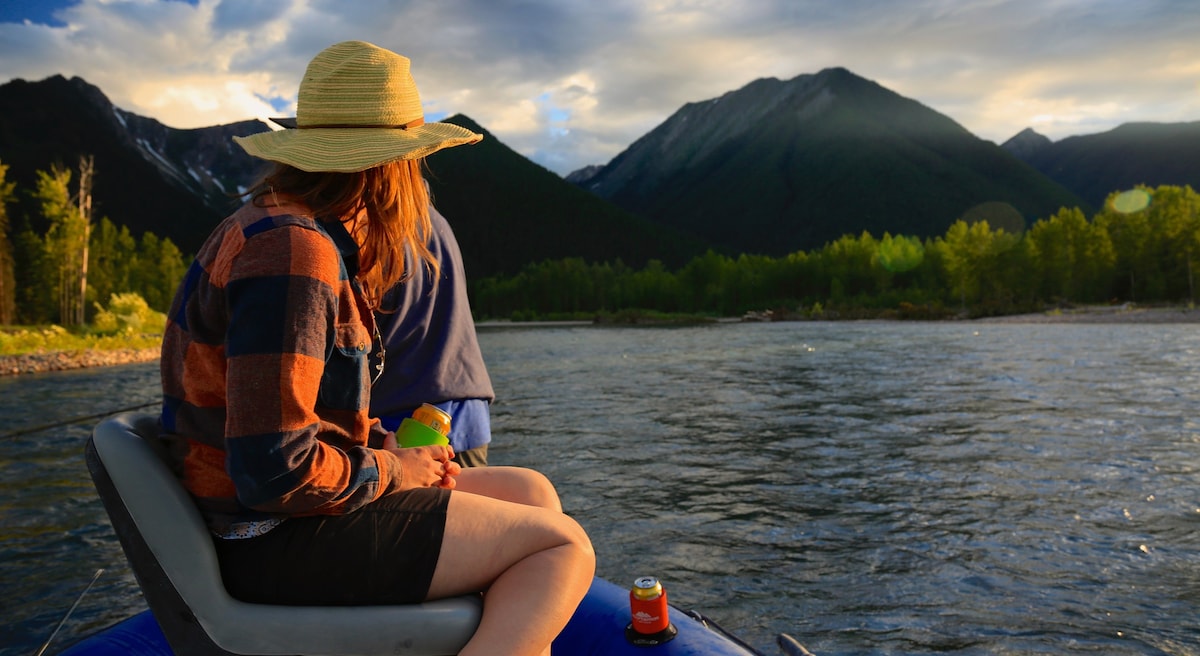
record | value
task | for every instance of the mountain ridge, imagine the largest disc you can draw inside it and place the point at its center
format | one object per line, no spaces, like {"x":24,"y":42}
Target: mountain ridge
{"x":180,"y":183}
{"x":1135,"y":153}
{"x":773,"y":167}
{"x":814,"y":158}
{"x":142,"y":178}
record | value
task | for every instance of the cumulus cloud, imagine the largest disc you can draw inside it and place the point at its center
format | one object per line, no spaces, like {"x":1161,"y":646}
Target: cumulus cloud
{"x":573,"y":82}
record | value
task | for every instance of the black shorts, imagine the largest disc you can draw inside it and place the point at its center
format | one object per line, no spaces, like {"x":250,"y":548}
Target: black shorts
{"x":381,"y":554}
{"x":476,"y":457}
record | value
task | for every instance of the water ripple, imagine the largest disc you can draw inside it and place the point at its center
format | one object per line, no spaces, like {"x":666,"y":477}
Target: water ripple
{"x":867,"y":487}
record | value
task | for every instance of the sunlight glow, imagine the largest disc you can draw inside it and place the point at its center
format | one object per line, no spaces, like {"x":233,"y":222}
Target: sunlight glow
{"x":1134,"y":200}
{"x":999,"y":216}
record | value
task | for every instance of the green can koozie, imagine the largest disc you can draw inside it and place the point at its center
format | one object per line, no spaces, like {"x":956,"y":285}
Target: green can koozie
{"x":413,"y":433}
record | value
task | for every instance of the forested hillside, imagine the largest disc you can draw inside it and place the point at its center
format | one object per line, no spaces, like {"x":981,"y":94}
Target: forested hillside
{"x":1142,"y":248}
{"x":1132,"y":154}
{"x":781,"y":166}
{"x":897,"y":206}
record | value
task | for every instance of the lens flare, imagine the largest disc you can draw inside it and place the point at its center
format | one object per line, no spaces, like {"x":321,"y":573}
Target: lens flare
{"x":1134,"y":200}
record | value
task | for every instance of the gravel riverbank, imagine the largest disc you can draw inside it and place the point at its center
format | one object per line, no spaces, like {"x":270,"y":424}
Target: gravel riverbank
{"x":1105,"y":314}
{"x":31,"y":363}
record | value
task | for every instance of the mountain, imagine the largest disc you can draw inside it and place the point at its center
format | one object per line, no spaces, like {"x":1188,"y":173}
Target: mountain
{"x":1095,"y":165}
{"x":507,"y":211}
{"x":779,"y":166}
{"x":147,"y":176}
{"x":581,"y":176}
{"x":771,"y":168}
{"x":1026,"y":144}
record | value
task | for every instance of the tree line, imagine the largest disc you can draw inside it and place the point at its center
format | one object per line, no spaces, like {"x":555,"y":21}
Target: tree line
{"x":1141,"y":247}
{"x":61,"y":266}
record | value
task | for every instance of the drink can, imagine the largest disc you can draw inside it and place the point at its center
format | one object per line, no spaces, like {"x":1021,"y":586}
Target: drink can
{"x":427,"y":425}
{"x":648,"y":606}
{"x":433,"y":417}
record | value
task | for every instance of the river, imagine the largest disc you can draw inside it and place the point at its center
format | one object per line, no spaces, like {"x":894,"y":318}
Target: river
{"x":867,"y":487}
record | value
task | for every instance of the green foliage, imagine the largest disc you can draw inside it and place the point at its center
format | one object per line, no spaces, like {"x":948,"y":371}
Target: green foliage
{"x":1144,"y":251}
{"x":44,"y":268}
{"x":1144,"y":246}
{"x":128,"y":314}
{"x":8,"y":282}
{"x":35,"y":281}
{"x":112,"y":268}
{"x":56,"y":338}
{"x":31,"y":340}
{"x":127,"y":323}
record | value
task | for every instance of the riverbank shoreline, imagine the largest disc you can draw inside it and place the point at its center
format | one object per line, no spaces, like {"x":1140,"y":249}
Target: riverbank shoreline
{"x":32,"y":363}
{"x":36,"y":363}
{"x":1116,"y":314}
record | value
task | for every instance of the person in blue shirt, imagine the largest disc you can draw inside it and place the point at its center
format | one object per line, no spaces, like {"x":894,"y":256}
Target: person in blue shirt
{"x":431,"y":354}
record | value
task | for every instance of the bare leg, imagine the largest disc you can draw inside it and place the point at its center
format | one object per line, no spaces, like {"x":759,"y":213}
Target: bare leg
{"x":534,"y":563}
{"x":516,"y":484}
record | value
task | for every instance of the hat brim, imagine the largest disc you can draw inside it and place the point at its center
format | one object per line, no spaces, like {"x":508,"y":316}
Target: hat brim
{"x":346,"y":150}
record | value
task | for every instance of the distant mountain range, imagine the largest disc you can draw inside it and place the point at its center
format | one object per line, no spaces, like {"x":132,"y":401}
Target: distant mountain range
{"x":1095,"y":165}
{"x":771,"y":168}
{"x":778,"y":166}
{"x":147,"y":176}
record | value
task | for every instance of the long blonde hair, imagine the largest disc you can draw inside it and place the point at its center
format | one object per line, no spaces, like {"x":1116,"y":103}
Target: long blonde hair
{"x":395,"y":201}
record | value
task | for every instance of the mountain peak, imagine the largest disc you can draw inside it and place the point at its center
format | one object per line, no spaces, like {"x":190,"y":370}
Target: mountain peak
{"x":1130,"y":154}
{"x":794,"y":164}
{"x":1026,"y":144}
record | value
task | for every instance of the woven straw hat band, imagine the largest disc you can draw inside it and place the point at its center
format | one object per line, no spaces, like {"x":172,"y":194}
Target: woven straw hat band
{"x":358,"y":84}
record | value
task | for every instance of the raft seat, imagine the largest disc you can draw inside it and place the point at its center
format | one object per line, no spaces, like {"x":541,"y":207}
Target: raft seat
{"x":170,"y":551}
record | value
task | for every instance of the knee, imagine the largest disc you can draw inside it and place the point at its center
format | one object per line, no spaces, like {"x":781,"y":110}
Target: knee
{"x":535,"y":489}
{"x":582,"y":544}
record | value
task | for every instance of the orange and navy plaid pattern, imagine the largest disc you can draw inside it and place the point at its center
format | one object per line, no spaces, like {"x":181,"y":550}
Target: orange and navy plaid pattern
{"x":265,"y":374}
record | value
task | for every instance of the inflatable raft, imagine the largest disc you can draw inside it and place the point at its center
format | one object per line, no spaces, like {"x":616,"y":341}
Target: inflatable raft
{"x":596,"y":629}
{"x":171,"y":554}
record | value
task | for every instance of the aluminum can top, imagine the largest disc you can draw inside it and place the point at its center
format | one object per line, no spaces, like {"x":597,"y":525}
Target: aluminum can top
{"x":433,"y":417}
{"x":647,"y":587}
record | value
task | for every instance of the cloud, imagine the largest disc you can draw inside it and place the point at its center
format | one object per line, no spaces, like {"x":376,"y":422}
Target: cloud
{"x":573,"y":82}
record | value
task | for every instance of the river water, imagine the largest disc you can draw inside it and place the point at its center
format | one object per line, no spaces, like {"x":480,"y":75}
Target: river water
{"x":869,"y":488}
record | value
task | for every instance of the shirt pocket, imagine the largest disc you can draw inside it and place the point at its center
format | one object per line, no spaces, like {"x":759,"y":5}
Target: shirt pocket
{"x":344,"y":383}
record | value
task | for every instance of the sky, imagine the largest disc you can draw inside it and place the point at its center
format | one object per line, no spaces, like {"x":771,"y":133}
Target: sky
{"x":568,"y":83}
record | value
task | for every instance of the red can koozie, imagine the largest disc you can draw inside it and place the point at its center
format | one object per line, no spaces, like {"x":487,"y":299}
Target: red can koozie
{"x":648,"y":606}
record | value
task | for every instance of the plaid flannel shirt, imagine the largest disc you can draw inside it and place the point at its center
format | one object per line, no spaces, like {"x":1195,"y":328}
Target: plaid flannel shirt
{"x":265,"y":375}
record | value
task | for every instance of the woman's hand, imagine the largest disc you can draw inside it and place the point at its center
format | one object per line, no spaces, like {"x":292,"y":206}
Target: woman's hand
{"x":425,"y":466}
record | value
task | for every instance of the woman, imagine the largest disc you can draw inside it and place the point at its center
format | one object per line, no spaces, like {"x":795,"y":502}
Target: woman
{"x":266,"y":381}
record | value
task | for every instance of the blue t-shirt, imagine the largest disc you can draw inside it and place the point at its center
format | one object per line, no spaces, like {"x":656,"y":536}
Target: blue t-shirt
{"x":432,"y":353}
{"x":470,"y":423}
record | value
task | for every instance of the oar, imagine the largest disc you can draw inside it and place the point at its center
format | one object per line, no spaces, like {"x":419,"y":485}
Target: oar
{"x":69,"y":611}
{"x":791,"y":646}
{"x":76,"y":420}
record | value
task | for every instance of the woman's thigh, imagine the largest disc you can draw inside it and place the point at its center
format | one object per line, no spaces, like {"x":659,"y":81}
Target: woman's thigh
{"x":515,"y":484}
{"x":485,"y":536}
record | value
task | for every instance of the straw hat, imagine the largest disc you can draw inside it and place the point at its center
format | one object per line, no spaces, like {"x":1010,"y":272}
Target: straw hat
{"x":358,"y":108}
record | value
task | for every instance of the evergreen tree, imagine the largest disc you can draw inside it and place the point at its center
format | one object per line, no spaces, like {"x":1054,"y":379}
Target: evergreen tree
{"x":113,"y":251}
{"x":35,"y":278}
{"x":8,"y":282}
{"x":158,"y":268}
